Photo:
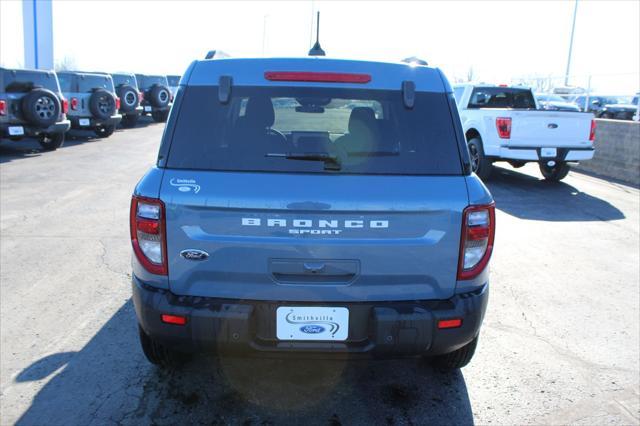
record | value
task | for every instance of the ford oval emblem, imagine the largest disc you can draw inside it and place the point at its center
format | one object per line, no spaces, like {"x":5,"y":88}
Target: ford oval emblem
{"x":194,"y":254}
{"x":552,"y":125}
{"x":312,"y":329}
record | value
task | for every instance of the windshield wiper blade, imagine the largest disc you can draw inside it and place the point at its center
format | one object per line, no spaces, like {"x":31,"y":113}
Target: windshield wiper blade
{"x":331,"y":162}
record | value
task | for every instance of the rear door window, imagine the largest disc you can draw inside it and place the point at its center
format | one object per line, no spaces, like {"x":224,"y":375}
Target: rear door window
{"x":346,"y":130}
{"x":174,"y":80}
{"x":147,"y":81}
{"x":88,"y":83}
{"x":122,"y":79}
{"x":501,"y":97}
{"x":24,"y":81}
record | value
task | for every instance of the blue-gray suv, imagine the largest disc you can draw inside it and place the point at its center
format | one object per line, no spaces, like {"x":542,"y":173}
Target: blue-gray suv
{"x":313,"y":206}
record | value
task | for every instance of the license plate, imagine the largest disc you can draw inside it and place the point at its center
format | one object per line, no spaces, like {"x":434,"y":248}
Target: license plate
{"x":549,"y":152}
{"x":312,"y":323}
{"x":147,"y":109}
{"x":84,"y":122}
{"x":16,"y":131}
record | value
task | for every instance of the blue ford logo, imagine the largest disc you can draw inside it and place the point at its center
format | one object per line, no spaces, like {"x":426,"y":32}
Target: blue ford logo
{"x":312,"y":329}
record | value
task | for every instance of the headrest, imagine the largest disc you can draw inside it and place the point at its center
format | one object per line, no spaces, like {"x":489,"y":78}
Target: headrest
{"x":361,"y":116}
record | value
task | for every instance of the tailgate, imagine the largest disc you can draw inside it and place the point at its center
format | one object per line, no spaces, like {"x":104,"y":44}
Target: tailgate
{"x":305,"y":237}
{"x":549,"y":129}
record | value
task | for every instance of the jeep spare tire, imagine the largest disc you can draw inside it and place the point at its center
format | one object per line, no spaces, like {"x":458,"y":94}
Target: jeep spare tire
{"x":159,"y":96}
{"x":128,"y":98}
{"x":41,"y":107}
{"x":102,"y":104}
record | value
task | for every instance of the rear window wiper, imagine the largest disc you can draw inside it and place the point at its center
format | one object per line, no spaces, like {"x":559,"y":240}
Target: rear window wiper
{"x":331,"y":162}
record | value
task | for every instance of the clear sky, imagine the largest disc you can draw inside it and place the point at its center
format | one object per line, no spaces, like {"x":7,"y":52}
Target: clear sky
{"x":499,"y":40}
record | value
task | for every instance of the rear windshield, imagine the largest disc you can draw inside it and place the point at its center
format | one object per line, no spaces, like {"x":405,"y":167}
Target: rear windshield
{"x":122,"y":79}
{"x":24,"y":81}
{"x":173,"y":80}
{"x":501,"y":97}
{"x":320,"y":130}
{"x":146,"y":81}
{"x":88,"y":83}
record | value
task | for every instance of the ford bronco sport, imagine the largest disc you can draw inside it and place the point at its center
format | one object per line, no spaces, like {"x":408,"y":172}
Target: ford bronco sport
{"x":32,"y":105}
{"x":129,"y":94}
{"x":311,"y":205}
{"x":156,"y":99}
{"x":93,"y":104}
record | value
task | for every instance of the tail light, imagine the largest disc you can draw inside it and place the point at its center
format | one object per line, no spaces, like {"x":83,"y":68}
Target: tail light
{"x":503,"y":124}
{"x":74,"y":103}
{"x":592,"y":132}
{"x":3,"y":107}
{"x":141,"y":96}
{"x":148,"y":234}
{"x":476,"y":241}
{"x":117,"y":103}
{"x":65,"y":106}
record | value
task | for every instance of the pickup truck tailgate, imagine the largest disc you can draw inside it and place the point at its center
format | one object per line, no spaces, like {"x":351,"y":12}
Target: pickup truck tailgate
{"x":549,"y":129}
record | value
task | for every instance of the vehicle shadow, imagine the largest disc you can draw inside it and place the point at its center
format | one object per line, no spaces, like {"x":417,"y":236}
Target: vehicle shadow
{"x":109,"y":381}
{"x":527,"y":197}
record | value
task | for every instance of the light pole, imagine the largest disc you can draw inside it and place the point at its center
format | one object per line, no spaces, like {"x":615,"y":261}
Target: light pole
{"x":573,"y":28}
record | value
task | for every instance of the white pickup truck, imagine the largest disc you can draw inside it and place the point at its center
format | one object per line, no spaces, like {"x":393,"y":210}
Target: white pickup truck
{"x":504,"y":124}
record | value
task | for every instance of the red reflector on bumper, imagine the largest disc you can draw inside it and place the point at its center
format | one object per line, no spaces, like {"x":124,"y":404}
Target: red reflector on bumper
{"x":450,"y":323}
{"x":174,"y":319}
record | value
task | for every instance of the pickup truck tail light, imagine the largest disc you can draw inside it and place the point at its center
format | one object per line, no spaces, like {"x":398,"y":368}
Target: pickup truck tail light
{"x":476,"y":240}
{"x":3,"y":107}
{"x":74,"y":103}
{"x":117,"y":103}
{"x":503,"y":124}
{"x":592,"y":132}
{"x":148,"y":234}
{"x":65,"y":106}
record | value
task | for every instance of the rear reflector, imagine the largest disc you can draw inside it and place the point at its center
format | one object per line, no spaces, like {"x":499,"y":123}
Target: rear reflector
{"x":592,"y":132}
{"x":317,"y":77}
{"x":450,"y":323}
{"x":174,"y":319}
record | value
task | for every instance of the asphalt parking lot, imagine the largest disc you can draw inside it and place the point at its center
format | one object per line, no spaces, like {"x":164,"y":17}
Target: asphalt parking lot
{"x":560,"y":342}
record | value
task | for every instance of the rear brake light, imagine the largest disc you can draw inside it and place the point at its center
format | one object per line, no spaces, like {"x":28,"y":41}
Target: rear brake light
{"x":592,"y":132}
{"x":3,"y":107}
{"x":476,"y":241}
{"x":148,"y":234}
{"x":450,"y":323}
{"x":317,"y":77}
{"x":74,"y":103}
{"x":117,"y":103}
{"x":65,"y":106}
{"x":140,"y":96}
{"x":503,"y":124}
{"x":174,"y":319}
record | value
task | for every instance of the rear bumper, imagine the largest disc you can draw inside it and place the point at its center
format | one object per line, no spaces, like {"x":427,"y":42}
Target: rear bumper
{"x":114,"y":120}
{"x":30,"y":131}
{"x":375,"y":328}
{"x":136,"y":111}
{"x":148,"y":109}
{"x":534,"y":154}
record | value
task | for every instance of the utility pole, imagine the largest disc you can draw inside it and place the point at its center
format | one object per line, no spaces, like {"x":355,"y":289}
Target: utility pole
{"x":573,"y":29}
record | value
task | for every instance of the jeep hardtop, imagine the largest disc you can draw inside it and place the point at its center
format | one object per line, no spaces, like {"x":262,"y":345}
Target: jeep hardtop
{"x":311,"y":205}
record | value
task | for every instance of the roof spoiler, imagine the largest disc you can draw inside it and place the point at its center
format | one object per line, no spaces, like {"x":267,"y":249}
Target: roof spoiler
{"x":216,"y":54}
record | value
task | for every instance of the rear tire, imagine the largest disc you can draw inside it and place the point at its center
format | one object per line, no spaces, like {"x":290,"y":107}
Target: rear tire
{"x":456,"y":359}
{"x":52,"y":141}
{"x":129,"y":121}
{"x":555,"y":173}
{"x":160,"y":355}
{"x":159,"y":116}
{"x":480,"y":165}
{"x":105,"y":131}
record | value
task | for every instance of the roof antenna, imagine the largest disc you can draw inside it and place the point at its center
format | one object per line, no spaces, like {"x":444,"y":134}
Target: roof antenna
{"x":316,"y":50}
